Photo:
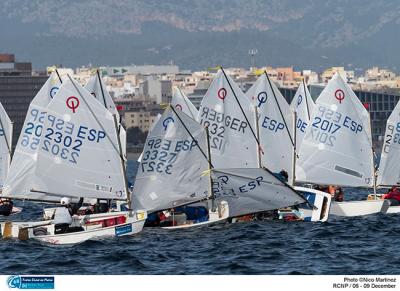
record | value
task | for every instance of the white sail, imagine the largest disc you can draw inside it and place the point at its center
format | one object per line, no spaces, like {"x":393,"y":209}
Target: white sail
{"x":170,"y":173}
{"x":6,"y":131}
{"x":79,"y":153}
{"x":150,"y":129}
{"x":303,"y":105}
{"x":232,"y":138}
{"x":21,"y":173}
{"x":252,"y":190}
{"x":389,"y":166}
{"x":275,"y":125}
{"x":96,"y":87}
{"x":181,"y":101}
{"x":337,"y":147}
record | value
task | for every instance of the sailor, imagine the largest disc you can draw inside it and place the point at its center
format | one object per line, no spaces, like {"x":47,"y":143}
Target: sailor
{"x":63,"y":215}
{"x":6,"y":206}
{"x":393,"y":196}
{"x":282,"y":175}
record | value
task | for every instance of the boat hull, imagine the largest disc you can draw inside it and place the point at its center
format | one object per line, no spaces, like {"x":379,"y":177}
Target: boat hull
{"x":11,"y":229}
{"x":358,"y":208}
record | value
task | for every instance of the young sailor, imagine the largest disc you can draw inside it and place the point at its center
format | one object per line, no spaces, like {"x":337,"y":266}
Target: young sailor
{"x":393,"y":196}
{"x":63,"y":215}
{"x":6,"y":206}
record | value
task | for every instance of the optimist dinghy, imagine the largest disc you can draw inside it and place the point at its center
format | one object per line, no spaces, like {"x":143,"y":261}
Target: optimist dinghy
{"x":337,"y":147}
{"x":79,"y":155}
{"x":389,"y":166}
{"x":170,"y":183}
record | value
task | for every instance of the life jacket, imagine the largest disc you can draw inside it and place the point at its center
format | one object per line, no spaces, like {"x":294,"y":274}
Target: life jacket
{"x":62,"y":216}
{"x":393,"y":195}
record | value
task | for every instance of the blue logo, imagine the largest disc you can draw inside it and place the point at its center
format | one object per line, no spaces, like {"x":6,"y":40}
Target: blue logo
{"x":123,"y":229}
{"x":53,"y":91}
{"x":31,"y":282}
{"x":167,"y":121}
{"x":262,"y":98}
{"x":299,"y":100}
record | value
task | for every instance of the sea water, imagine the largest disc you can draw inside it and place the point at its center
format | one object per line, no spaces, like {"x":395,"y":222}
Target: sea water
{"x":367,"y":245}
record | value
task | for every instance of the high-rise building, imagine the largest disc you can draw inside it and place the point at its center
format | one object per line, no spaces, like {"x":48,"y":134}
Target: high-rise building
{"x":17,"y":88}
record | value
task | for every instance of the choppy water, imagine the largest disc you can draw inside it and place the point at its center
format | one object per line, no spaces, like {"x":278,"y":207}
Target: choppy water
{"x":364,"y":245}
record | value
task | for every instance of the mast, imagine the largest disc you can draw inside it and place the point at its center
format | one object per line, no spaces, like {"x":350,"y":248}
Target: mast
{"x":122,"y":159}
{"x":258,"y":136}
{"x":294,"y":149}
{"x":212,"y":196}
{"x":305,"y":95}
{"x":101,"y":88}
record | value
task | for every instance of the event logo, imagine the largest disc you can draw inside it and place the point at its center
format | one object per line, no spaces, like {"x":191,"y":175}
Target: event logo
{"x":167,"y":121}
{"x":53,"y":92}
{"x":262,"y":98}
{"x":31,"y":282}
{"x":222,"y":93}
{"x":339,"y":95}
{"x":299,"y":100}
{"x":72,"y":103}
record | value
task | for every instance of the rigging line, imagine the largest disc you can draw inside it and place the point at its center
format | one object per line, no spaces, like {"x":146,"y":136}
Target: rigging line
{"x":184,"y":99}
{"x":187,"y":130}
{"x":94,"y":115}
{"x":280,"y":111}
{"x":59,"y":77}
{"x":101,"y":88}
{"x":305,"y":94}
{"x":5,"y":137}
{"x":241,"y":108}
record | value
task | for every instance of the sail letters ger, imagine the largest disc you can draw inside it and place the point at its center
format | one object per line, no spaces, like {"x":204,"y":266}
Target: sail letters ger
{"x":231,"y":139}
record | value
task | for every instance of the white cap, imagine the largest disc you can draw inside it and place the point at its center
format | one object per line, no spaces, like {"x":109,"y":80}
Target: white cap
{"x":65,"y":201}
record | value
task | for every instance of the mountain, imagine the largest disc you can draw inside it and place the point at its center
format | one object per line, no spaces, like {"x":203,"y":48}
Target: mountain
{"x":198,"y":34}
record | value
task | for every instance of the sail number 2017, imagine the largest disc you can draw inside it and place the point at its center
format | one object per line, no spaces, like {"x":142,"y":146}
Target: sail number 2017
{"x":328,"y":123}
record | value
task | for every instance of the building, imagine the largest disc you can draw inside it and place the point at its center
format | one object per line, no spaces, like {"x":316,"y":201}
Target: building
{"x":140,"y":70}
{"x":198,"y":93}
{"x":156,"y":89}
{"x":142,"y":119}
{"x":17,"y":88}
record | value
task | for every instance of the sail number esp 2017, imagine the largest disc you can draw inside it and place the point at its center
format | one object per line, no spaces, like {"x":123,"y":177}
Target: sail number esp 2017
{"x":328,"y":123}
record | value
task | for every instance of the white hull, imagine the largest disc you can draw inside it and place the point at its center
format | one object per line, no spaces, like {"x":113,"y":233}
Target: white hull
{"x":88,"y":222}
{"x":358,"y":208}
{"x":393,"y":209}
{"x":132,"y":226}
{"x":220,"y":215}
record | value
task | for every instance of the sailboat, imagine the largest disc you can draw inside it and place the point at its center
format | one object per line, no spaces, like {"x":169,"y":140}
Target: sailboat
{"x":80,"y":155}
{"x":6,"y":132}
{"x":277,"y":124}
{"x":229,"y":116}
{"x":181,"y":102}
{"x":389,"y":166}
{"x":170,"y":174}
{"x":303,"y":106}
{"x":95,"y":86}
{"x":337,"y":147}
